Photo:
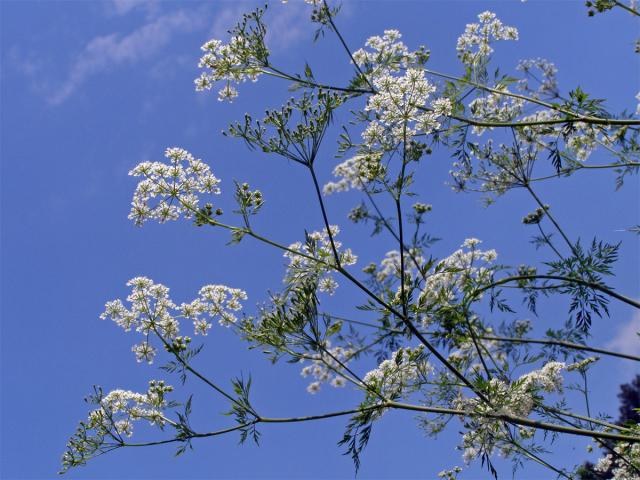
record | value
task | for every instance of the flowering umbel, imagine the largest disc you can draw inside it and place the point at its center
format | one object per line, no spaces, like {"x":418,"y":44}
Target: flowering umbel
{"x":155,"y":316}
{"x":170,"y":190}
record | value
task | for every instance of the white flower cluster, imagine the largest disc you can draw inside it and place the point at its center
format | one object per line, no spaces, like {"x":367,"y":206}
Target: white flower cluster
{"x":120,"y":408}
{"x":400,"y":374}
{"x":493,"y":170}
{"x":624,"y":465}
{"x":474,"y":45}
{"x":355,"y":172}
{"x":151,"y":311}
{"x":495,"y":107}
{"x":317,"y":246}
{"x":400,"y":104}
{"x":465,"y":357}
{"x":386,"y":54}
{"x":451,"y":274}
{"x":232,"y":63}
{"x":175,"y":185}
{"x":517,"y":398}
{"x":451,"y":474}
{"x":390,"y":265}
{"x":548,"y":378}
{"x":215,"y":301}
{"x":537,"y":137}
{"x":325,"y":366}
{"x":583,"y":140}
{"x":497,"y":168}
{"x":548,"y":83}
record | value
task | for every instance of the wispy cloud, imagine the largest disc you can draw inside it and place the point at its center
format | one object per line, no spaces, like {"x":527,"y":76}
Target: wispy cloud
{"x":107,"y":51}
{"x":122,"y":7}
{"x":287,"y":25}
{"x":626,"y":339}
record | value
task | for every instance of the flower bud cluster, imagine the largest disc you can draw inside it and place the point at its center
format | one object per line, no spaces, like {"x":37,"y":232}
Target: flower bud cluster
{"x":250,"y":198}
{"x":179,"y":344}
{"x":114,"y":418}
{"x":422,"y":208}
{"x":465,"y":357}
{"x":535,"y":217}
{"x":582,"y":365}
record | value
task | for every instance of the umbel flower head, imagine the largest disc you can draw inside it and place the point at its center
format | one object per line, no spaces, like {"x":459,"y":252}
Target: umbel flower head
{"x":114,"y":417}
{"x":517,"y":398}
{"x":387,"y":54}
{"x":169,"y":190}
{"x":316,"y":259}
{"x":474,"y":45}
{"x":327,"y":367}
{"x":400,"y":374}
{"x":152,"y":313}
{"x":400,"y":104}
{"x":243,"y":58}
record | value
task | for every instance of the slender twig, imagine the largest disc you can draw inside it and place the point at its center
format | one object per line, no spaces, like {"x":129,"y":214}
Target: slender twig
{"x":627,"y":8}
{"x":344,"y":44}
{"x":526,"y":422}
{"x":562,"y":343}
{"x":578,"y":281}
{"x":548,"y":241}
{"x":405,"y":406}
{"x":540,"y":341}
{"x":324,"y":216}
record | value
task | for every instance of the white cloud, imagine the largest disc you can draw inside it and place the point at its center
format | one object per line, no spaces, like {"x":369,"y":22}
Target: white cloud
{"x":107,"y":51}
{"x":123,"y":7}
{"x":226,"y":18}
{"x":626,"y":339}
{"x":286,"y":25}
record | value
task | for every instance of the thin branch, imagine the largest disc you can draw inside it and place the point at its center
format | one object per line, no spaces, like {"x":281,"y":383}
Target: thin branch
{"x":595,"y":286}
{"x":562,"y":343}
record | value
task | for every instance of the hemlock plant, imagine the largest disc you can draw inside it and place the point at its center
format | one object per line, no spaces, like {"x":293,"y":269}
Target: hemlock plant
{"x":430,"y":336}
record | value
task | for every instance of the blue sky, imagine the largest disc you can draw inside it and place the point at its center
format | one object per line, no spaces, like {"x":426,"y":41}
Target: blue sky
{"x":90,"y":89}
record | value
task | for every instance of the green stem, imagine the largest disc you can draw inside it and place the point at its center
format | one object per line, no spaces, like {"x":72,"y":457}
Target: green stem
{"x":578,"y":281}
